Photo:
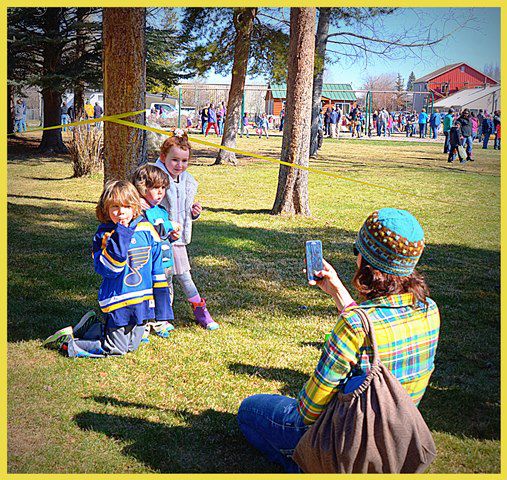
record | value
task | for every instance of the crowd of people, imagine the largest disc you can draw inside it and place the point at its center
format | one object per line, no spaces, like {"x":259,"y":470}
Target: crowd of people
{"x":462,"y":128}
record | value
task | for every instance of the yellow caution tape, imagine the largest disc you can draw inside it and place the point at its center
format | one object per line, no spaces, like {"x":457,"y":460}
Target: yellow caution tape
{"x":84,"y":122}
{"x":117,"y":119}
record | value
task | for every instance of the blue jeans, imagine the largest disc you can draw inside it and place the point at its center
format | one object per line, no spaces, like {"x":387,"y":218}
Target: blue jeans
{"x":422,"y":130}
{"x":447,"y":143}
{"x":434,"y":131}
{"x":272,"y":424}
{"x":467,"y":143}
{"x":486,"y":140}
{"x":64,"y":119}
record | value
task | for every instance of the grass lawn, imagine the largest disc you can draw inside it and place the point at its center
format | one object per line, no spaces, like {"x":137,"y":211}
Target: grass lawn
{"x":170,"y":407}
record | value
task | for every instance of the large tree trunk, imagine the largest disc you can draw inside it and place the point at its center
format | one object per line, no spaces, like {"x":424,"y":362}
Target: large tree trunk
{"x":320,"y":52}
{"x":243,"y":22}
{"x":124,"y":70}
{"x":79,"y":88}
{"x":292,"y":192}
{"x":52,"y":139}
{"x":10,"y":110}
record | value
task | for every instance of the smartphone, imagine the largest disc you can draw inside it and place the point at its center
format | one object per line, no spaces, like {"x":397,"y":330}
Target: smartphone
{"x":313,"y":258}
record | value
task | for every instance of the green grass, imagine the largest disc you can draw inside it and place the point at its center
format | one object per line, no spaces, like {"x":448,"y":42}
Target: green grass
{"x":170,"y":407}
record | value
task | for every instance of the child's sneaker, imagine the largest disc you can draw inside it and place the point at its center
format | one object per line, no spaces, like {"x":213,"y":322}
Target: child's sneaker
{"x":163,"y":329}
{"x":202,"y":316}
{"x":144,"y":338}
{"x":58,"y":339}
{"x":87,"y":320}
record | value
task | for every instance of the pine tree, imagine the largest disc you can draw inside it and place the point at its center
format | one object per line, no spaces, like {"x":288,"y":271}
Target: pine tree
{"x":410,"y":82}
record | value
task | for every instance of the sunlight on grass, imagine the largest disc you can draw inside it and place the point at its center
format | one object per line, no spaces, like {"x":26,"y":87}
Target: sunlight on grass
{"x":170,"y":407}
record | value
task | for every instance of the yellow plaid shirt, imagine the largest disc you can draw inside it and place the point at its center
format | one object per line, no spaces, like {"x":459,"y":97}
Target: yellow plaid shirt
{"x":407,"y":337}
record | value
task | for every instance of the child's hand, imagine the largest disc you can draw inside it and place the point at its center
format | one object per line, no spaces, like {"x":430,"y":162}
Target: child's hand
{"x":196,"y":209}
{"x":175,"y":234}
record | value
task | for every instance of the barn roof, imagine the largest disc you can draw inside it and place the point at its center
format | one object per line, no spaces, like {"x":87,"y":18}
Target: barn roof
{"x":465,"y":97}
{"x":447,"y":68}
{"x":437,"y":72}
{"x":329,"y":90}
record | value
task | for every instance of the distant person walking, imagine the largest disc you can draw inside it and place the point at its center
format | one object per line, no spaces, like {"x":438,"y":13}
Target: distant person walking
{"x":465,"y":124}
{"x":64,"y":117}
{"x":333,"y":119}
{"x":212,"y":120}
{"x":282,"y":118}
{"x":244,"y":126}
{"x":448,"y":121}
{"x":221,"y":118}
{"x":487,"y":129}
{"x":97,"y":113}
{"x":475,"y":125}
{"x":480,"y":119}
{"x":89,"y":112}
{"x":497,"y":127}
{"x":204,"y":120}
{"x":423,"y":120}
{"x":435,"y":120}
{"x":327,"y":128}
{"x":18,"y":117}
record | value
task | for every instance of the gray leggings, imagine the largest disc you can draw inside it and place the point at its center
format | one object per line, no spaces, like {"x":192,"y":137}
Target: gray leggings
{"x":185,"y":280}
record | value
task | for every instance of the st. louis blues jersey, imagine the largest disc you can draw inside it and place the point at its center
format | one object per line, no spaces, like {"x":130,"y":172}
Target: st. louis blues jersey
{"x":130,"y":262}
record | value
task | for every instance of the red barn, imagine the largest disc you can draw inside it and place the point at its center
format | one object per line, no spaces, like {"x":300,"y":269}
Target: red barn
{"x":448,"y":80}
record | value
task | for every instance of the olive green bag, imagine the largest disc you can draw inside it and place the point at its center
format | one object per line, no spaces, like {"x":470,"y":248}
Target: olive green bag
{"x":374,"y":429}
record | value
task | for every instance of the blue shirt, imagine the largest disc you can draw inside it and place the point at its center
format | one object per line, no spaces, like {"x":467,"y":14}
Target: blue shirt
{"x":333,"y":117}
{"x":423,"y":117}
{"x":435,"y":119}
{"x":159,"y":218}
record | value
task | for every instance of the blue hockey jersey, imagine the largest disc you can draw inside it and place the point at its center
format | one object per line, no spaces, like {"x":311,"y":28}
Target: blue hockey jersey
{"x":159,"y":218}
{"x":130,"y":262}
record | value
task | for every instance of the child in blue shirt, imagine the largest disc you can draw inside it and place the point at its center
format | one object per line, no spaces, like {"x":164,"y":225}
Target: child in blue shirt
{"x":151,"y":183}
{"x":127,"y":253}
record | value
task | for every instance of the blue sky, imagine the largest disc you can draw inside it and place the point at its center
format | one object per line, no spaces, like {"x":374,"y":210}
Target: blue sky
{"x":477,"y":44}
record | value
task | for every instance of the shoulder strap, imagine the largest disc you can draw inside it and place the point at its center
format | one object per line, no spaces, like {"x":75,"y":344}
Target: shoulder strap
{"x":369,"y":331}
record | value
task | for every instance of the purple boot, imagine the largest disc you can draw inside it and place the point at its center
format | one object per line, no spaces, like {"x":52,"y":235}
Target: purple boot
{"x":202,"y":316}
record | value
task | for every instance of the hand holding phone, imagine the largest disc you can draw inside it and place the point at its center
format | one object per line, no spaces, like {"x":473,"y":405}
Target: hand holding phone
{"x":314,"y":261}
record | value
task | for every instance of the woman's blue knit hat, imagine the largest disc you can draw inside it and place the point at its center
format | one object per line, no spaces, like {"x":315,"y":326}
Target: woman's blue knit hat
{"x":391,"y":241}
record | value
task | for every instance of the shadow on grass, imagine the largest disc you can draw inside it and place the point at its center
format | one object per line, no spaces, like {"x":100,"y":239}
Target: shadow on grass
{"x":293,"y":380}
{"x":236,"y":211}
{"x":208,"y":442}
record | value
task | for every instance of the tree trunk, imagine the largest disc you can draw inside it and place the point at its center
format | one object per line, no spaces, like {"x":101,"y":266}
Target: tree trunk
{"x":52,"y":54}
{"x":124,"y":70}
{"x":10,"y":111}
{"x":320,"y":53}
{"x":79,"y":88}
{"x":292,"y":192}
{"x":243,"y":22}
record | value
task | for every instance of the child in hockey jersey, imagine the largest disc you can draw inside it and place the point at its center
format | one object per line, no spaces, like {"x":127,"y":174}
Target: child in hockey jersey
{"x":127,"y":253}
{"x":151,"y":183}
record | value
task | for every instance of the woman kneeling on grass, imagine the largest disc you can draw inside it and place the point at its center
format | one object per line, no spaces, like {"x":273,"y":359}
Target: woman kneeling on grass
{"x":406,"y":321}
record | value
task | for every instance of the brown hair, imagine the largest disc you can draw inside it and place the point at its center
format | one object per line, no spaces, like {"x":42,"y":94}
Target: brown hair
{"x":176,"y":141}
{"x":149,"y":176}
{"x":372,"y":283}
{"x":118,"y":192}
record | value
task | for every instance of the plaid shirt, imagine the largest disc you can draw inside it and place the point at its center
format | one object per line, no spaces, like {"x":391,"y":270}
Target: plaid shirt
{"x":407,"y":337}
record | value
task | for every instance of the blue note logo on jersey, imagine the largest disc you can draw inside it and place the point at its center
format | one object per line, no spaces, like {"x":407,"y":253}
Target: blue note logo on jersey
{"x":137,"y":258}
